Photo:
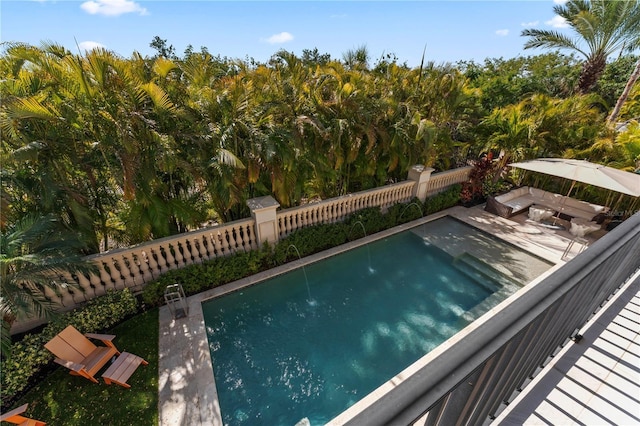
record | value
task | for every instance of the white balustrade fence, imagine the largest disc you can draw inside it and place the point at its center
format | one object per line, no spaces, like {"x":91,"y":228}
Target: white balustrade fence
{"x":132,"y":267}
{"x":337,"y":209}
{"x":441,"y":181}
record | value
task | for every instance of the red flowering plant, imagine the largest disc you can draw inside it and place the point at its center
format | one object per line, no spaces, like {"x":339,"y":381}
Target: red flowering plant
{"x":482,"y":181}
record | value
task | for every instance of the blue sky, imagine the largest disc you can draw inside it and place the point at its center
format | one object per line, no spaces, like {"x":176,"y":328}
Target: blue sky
{"x":451,"y":30}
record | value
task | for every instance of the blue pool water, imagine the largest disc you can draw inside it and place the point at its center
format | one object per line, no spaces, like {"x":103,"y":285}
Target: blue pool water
{"x":312,"y":342}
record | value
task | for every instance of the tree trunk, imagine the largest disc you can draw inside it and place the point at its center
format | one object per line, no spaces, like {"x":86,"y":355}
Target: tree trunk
{"x":625,"y":94}
{"x":592,"y":69}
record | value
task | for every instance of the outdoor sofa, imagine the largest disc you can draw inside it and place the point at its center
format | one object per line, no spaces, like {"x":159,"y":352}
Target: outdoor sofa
{"x":520,"y":199}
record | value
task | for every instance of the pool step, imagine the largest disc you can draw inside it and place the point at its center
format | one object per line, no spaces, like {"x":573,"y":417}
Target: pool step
{"x":481,"y":271}
{"x":488,"y":303}
{"x":500,"y":285}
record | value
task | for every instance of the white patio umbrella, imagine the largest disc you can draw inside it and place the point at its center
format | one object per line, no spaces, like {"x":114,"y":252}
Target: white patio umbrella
{"x":585,"y":172}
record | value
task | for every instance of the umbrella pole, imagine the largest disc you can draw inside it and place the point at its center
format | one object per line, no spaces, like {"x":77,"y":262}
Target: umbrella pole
{"x":564,"y":200}
{"x":616,"y":206}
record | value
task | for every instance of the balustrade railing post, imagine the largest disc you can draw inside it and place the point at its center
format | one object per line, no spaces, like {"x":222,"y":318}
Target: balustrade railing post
{"x":420,"y":175}
{"x":263,"y":211}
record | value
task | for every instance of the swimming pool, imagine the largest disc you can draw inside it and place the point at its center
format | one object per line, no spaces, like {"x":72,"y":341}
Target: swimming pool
{"x":312,"y":342}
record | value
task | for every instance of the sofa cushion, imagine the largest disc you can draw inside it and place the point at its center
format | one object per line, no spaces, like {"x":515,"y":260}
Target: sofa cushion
{"x":514,"y":193}
{"x":521,"y":203}
{"x":541,"y":193}
{"x":583,"y":205}
{"x":497,"y":208}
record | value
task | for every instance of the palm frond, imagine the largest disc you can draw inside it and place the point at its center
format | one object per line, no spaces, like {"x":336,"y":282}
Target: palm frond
{"x":36,"y":251}
{"x":5,"y":336}
{"x":162,"y":66}
{"x":228,"y":158}
{"x":158,"y":96}
{"x":25,"y":108}
{"x":9,"y":128}
{"x":550,"y":39}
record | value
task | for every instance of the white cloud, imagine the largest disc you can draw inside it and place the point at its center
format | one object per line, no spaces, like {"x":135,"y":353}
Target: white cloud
{"x":502,"y":33}
{"x":557,"y":22}
{"x":283,"y":37}
{"x":530,"y":24}
{"x":560,"y":1}
{"x":90,"y":45}
{"x":112,"y":7}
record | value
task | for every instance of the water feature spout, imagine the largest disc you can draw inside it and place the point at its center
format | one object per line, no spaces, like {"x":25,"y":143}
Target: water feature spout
{"x":367,"y":244}
{"x":358,"y":222}
{"x":304,"y":271}
{"x":424,"y":232}
{"x":407,"y":208}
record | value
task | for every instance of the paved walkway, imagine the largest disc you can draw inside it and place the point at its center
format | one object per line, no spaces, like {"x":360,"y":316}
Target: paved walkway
{"x":186,"y":389}
{"x":593,"y":382}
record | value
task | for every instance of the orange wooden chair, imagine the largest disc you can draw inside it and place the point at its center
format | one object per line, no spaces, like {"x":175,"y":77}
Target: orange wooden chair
{"x":76,"y":352}
{"x":15,"y":417}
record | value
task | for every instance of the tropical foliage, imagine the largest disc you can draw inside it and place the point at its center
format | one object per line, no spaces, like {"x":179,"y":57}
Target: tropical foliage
{"x":128,"y":150}
{"x":125,"y":150}
{"x":36,"y":255}
{"x":603,"y":27}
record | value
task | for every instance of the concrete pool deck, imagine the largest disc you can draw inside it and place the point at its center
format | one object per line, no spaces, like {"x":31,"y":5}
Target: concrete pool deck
{"x":187,"y":392}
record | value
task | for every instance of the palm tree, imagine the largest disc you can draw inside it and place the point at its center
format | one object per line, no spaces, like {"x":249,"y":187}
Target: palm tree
{"x":604,"y":26}
{"x":357,"y":58}
{"x":625,"y":94}
{"x":47,"y":152}
{"x":34,"y":252}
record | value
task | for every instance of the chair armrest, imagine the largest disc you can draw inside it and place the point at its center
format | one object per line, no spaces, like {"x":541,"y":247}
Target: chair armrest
{"x":21,"y":409}
{"x":74,"y":366}
{"x":105,"y":338}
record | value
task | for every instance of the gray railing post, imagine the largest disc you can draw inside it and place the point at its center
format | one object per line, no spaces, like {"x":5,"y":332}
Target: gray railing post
{"x":263,"y":211}
{"x":420,"y":175}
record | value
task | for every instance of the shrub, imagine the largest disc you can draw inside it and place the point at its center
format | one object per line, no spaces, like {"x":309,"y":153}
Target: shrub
{"x":29,"y":356}
{"x":402,"y":213}
{"x":310,"y":240}
{"x":484,"y":170}
{"x":443,"y":200}
{"x":372,"y":219}
{"x":209,"y":274}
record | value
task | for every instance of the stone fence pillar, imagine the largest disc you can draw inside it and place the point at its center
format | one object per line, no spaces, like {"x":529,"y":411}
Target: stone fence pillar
{"x":420,"y":175}
{"x":263,"y":211}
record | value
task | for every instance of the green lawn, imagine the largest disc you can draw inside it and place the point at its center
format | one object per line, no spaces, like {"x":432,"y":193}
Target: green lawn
{"x":63,"y":399}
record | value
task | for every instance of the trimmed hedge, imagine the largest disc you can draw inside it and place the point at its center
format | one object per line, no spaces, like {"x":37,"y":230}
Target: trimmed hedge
{"x":29,"y":358}
{"x":198,"y":277}
{"x":443,"y":200}
{"x":312,"y":239}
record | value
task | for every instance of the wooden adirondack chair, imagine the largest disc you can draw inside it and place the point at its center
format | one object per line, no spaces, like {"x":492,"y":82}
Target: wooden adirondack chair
{"x":15,"y":417}
{"x":76,"y":352}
